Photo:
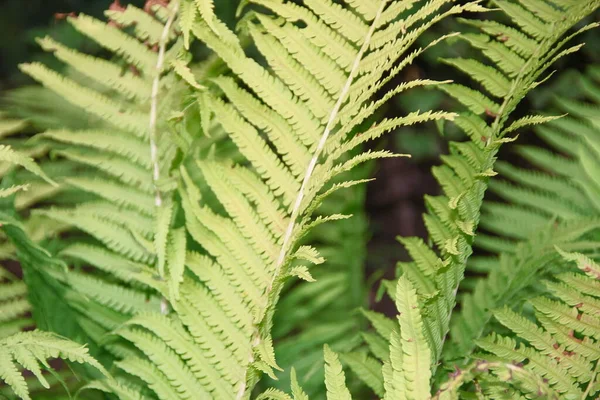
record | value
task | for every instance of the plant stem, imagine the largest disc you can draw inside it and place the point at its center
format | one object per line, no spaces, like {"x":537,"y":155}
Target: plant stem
{"x":162,"y":45}
{"x":307,"y":175}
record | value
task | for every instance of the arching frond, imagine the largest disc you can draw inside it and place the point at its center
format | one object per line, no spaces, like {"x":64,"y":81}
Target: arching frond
{"x":454,"y":217}
{"x":531,"y":216}
{"x":516,"y":56}
{"x":313,"y":109}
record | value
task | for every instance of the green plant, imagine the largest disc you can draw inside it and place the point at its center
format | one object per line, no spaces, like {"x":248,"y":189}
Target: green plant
{"x":181,"y":201}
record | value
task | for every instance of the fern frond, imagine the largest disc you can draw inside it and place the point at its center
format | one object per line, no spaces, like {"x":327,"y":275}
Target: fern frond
{"x":334,"y":377}
{"x":8,"y":155}
{"x":123,"y":174}
{"x":414,"y":370}
{"x":29,"y":349}
{"x":515,"y":59}
{"x":308,"y":316}
{"x":121,"y":102}
{"x":308,"y":111}
{"x":544,"y":199}
{"x":545,"y":351}
{"x":510,"y":277}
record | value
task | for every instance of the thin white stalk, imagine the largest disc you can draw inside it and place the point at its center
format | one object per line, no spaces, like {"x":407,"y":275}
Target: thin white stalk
{"x":162,"y":45}
{"x":308,"y":174}
{"x":321,"y":145}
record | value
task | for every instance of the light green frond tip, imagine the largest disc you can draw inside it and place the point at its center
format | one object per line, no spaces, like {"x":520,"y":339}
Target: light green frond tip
{"x":303,"y":273}
{"x":584,"y":263}
{"x":416,"y":360}
{"x":7,"y":154}
{"x":181,"y":69}
{"x":297,"y":390}
{"x":207,"y":11}
{"x":274,"y":394}
{"x":335,"y":380}
{"x":267,"y":353}
{"x":186,"y":21}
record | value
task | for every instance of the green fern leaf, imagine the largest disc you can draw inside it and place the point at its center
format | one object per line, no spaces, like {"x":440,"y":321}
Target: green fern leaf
{"x":175,"y":254}
{"x":7,"y":154}
{"x":334,"y":377}
{"x":296,"y":389}
{"x":31,"y":348}
{"x":416,"y":360}
{"x":367,"y":369}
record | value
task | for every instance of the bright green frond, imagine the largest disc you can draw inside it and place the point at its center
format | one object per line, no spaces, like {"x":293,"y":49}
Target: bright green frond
{"x":8,"y":155}
{"x":30,"y":349}
{"x":335,"y":380}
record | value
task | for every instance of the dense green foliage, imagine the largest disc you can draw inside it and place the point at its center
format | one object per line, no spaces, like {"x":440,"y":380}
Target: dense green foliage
{"x":189,"y":205}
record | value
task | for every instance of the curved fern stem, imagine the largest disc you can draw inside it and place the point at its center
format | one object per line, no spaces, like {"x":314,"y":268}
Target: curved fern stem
{"x":592,"y":381}
{"x":331,"y":121}
{"x":313,"y":162}
{"x":162,"y":45}
{"x":504,"y":112}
